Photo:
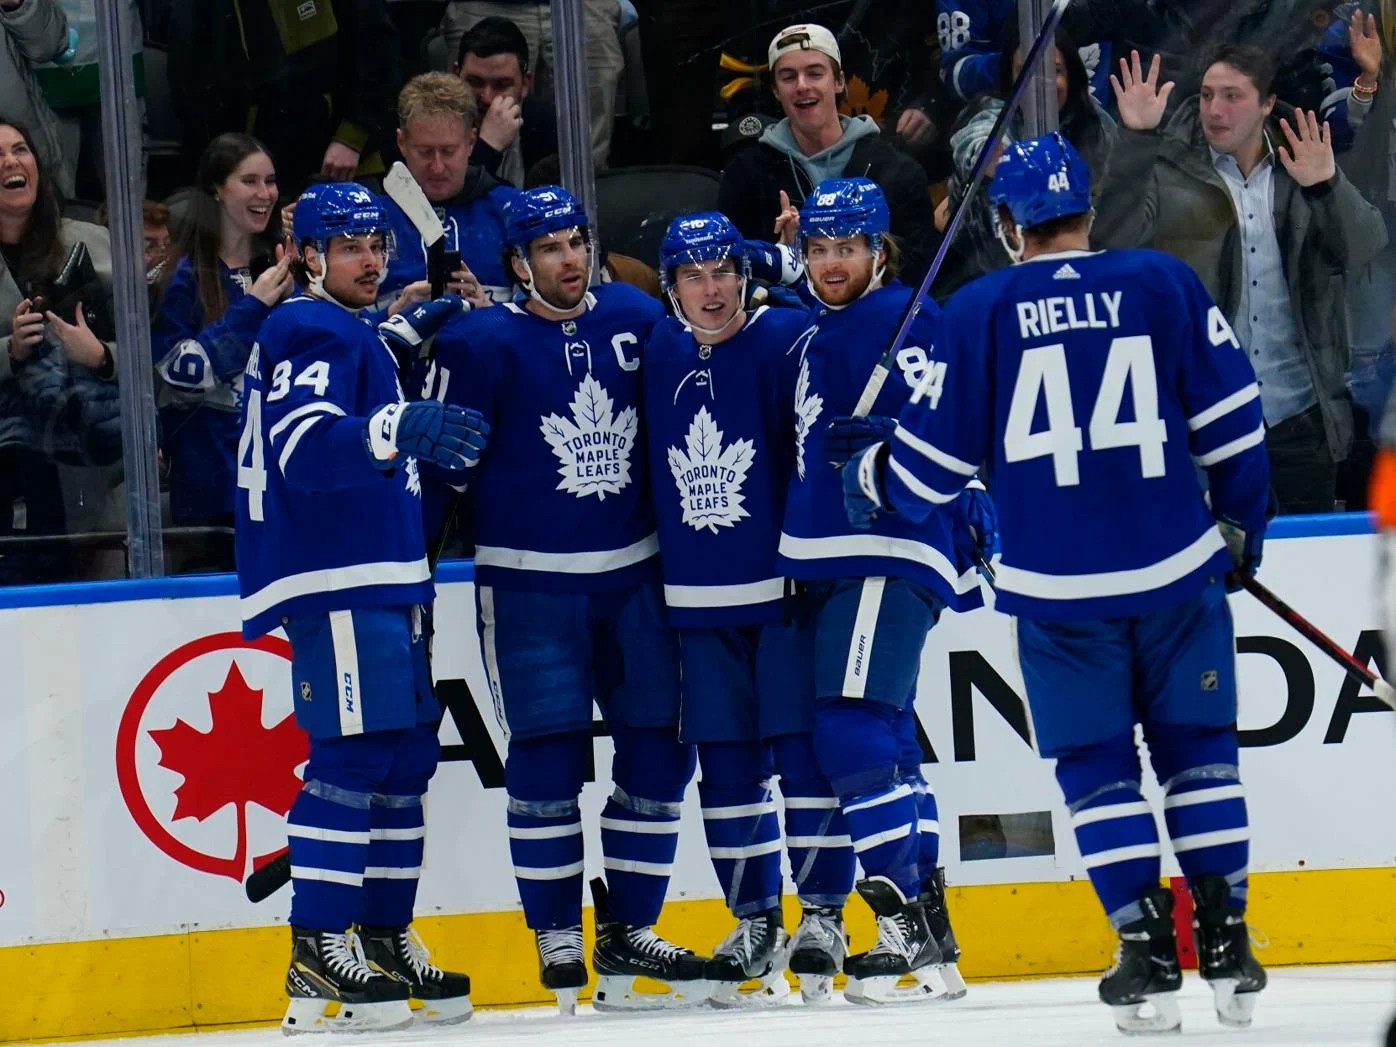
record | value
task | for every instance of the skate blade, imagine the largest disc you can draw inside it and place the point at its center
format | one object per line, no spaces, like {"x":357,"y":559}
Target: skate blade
{"x":1156,"y":1013}
{"x":566,"y":1002}
{"x":444,"y":1012}
{"x":919,"y":986}
{"x":625,"y":992}
{"x":1234,"y":1009}
{"x":816,"y":989}
{"x":770,"y":990}
{"x":312,"y":1015}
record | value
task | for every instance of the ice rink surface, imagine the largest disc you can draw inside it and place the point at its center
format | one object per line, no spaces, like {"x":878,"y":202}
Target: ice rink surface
{"x":1310,"y":1006}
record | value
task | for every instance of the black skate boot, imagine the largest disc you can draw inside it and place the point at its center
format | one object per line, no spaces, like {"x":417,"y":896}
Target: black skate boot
{"x":817,"y":952}
{"x":904,"y":947}
{"x":624,"y":954}
{"x":328,"y":973}
{"x":561,"y":966}
{"x":757,"y":948}
{"x":399,"y":953}
{"x":1140,"y":988}
{"x":938,"y":920}
{"x":1224,"y":951}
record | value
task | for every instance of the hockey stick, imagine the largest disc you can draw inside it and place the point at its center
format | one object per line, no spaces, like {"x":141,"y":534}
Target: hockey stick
{"x":1319,"y":639}
{"x":981,"y":164}
{"x":404,"y":191}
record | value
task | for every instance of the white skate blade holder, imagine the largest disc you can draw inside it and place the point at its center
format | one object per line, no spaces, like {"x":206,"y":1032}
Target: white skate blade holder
{"x":938,"y":982}
{"x":770,"y":990}
{"x":626,"y":992}
{"x":816,"y":989}
{"x":443,"y":1012}
{"x":313,"y":1014}
{"x":1234,"y":1009}
{"x":566,"y":1002}
{"x":1156,"y":1013}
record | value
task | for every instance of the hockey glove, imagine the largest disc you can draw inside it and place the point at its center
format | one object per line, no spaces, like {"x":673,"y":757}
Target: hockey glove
{"x":774,"y":263}
{"x":405,"y":332}
{"x":1245,"y":548}
{"x":845,"y":437}
{"x":976,"y":528}
{"x":443,"y":434}
{"x":863,"y":492}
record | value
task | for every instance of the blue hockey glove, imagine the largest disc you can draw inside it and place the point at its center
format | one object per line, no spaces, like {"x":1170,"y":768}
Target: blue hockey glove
{"x":976,"y":528}
{"x":1245,"y":549}
{"x":774,"y":263}
{"x":443,"y":434}
{"x":863,"y":492}
{"x":845,"y":437}
{"x":405,"y":332}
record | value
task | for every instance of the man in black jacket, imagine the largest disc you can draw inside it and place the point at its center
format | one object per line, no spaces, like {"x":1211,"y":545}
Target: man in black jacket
{"x":517,"y":127}
{"x":814,"y":142}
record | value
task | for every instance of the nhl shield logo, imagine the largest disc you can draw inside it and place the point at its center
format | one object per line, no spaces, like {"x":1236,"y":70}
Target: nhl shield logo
{"x":1209,"y":680}
{"x":305,"y":690}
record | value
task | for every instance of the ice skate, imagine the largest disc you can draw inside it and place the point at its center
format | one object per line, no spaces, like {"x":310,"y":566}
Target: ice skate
{"x":905,"y":948}
{"x":333,"y":989}
{"x":398,"y":952}
{"x":758,"y":948}
{"x":817,"y":952}
{"x":1141,"y":988}
{"x":625,"y":955}
{"x":1224,"y":952}
{"x":938,"y":919}
{"x":562,"y":967}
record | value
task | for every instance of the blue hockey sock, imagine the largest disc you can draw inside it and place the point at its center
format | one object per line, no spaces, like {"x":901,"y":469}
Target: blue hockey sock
{"x":821,"y":855}
{"x":739,"y":820}
{"x":640,"y":823}
{"x":544,"y":778}
{"x":1205,"y":804}
{"x":397,"y":839}
{"x":927,"y":826}
{"x":328,"y":828}
{"x":1114,"y":825}
{"x":882,"y":825}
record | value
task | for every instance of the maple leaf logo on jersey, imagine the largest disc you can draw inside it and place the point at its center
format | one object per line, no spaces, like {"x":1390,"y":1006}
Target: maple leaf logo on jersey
{"x":710,"y":476}
{"x":807,"y":410}
{"x":593,"y":445}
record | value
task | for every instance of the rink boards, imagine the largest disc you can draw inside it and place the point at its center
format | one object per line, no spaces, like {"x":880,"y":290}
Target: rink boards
{"x":146,"y":762}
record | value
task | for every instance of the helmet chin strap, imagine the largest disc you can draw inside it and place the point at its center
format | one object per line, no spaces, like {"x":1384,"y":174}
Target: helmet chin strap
{"x":1015,"y":252}
{"x":879,"y":271}
{"x":315,"y":282}
{"x":711,"y":332}
{"x":531,"y":286}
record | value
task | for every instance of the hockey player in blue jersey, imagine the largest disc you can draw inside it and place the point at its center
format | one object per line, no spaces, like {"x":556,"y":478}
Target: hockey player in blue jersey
{"x":719,"y":380}
{"x":1113,"y":559}
{"x":570,"y":609}
{"x":330,"y":548}
{"x":873,"y":596}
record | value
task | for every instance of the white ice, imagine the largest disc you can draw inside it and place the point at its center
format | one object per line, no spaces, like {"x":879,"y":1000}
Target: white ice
{"x":1309,"y":1006}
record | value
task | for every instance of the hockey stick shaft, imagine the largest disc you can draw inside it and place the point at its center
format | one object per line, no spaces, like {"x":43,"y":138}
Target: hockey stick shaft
{"x":1320,"y":639}
{"x":884,"y":366}
{"x":269,"y":879}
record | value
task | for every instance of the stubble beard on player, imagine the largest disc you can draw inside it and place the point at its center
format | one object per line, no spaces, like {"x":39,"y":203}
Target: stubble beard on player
{"x":852,"y":287}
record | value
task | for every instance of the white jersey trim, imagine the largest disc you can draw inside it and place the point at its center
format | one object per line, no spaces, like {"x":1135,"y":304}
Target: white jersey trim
{"x":923,"y":491}
{"x":840,"y":546}
{"x":724,"y":595}
{"x":1223,"y":407}
{"x":1170,"y":569}
{"x":934,"y":453}
{"x":567,"y":563}
{"x":1235,"y":447}
{"x":334,"y":580}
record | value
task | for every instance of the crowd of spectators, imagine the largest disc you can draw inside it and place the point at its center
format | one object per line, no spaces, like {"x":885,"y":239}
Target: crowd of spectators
{"x":1253,"y":139}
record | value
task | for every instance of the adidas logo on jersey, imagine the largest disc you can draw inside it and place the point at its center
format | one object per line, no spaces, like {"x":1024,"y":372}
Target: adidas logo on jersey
{"x":1066,"y":273}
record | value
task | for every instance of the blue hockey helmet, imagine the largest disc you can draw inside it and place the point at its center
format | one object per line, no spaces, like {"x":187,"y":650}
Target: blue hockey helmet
{"x":538,"y":212}
{"x":701,"y":237}
{"x":846,"y":207}
{"x":337,"y":209}
{"x":1039,"y":179}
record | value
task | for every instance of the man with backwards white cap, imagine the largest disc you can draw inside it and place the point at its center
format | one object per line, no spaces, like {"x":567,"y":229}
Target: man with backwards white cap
{"x":814,"y":142}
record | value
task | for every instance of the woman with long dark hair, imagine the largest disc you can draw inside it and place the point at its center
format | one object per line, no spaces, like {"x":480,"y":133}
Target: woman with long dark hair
{"x":232,"y":268}
{"x":59,"y":403}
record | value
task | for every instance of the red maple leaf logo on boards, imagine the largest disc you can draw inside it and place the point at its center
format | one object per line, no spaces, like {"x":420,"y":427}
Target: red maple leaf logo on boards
{"x":238,"y":761}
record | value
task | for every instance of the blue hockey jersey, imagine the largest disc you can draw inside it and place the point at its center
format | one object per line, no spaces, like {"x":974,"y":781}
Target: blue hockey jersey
{"x":320,"y":526}
{"x":474,"y":223}
{"x":817,"y":540}
{"x":1091,"y":386}
{"x":721,"y":441}
{"x":972,"y":41}
{"x":200,"y":367}
{"x":561,"y":495}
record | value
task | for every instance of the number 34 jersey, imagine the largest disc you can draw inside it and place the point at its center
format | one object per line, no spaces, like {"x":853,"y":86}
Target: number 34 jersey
{"x":320,"y":527}
{"x":1094,"y":387}
{"x":561,"y":495}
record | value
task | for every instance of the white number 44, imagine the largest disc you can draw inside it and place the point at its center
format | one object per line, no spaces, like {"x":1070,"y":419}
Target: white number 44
{"x":1043,"y":373}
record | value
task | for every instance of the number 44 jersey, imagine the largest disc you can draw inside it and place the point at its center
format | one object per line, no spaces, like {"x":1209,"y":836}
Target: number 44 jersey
{"x":1096,"y":389}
